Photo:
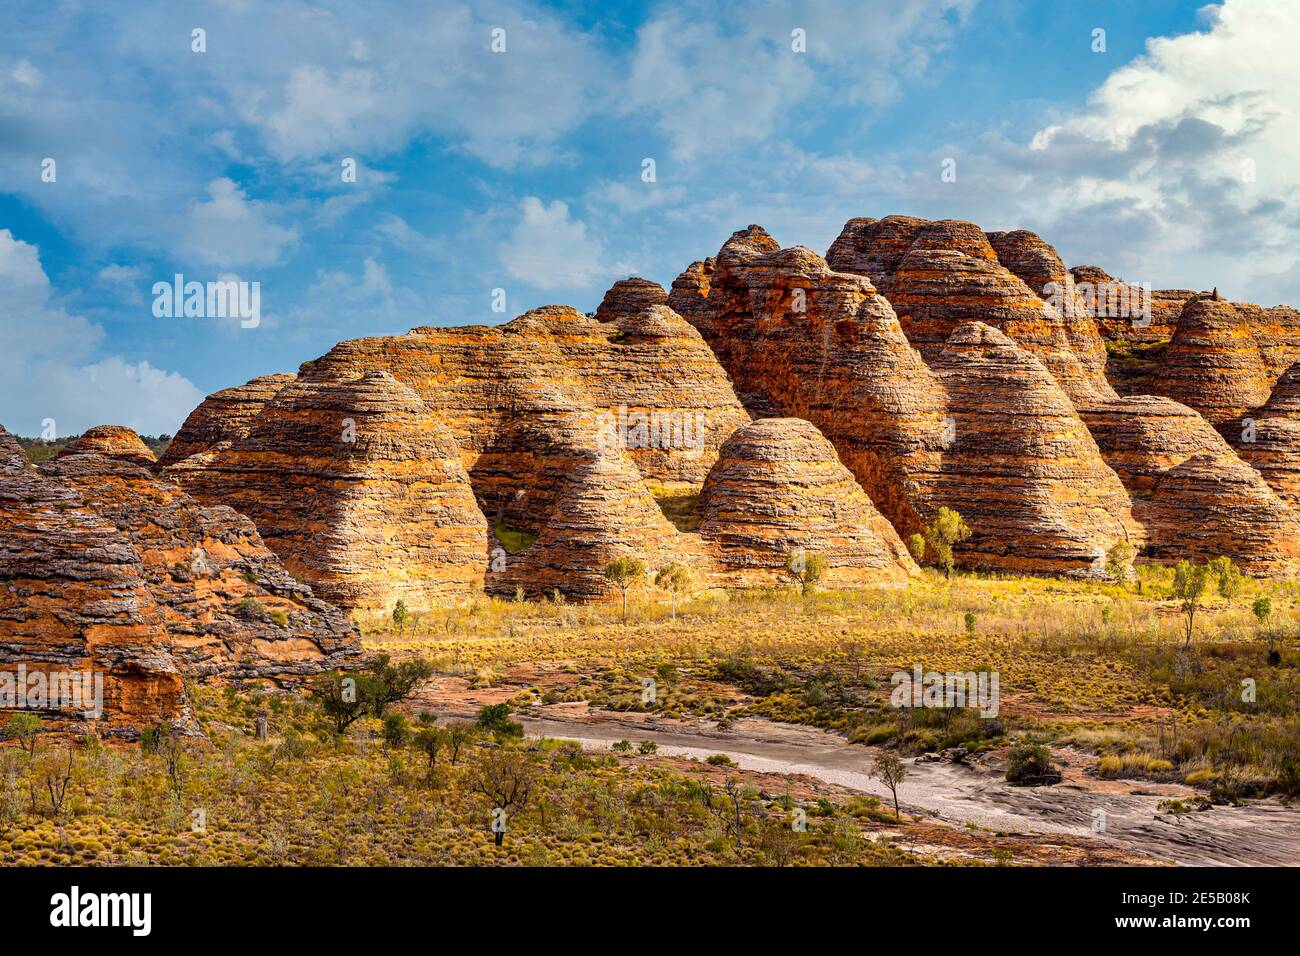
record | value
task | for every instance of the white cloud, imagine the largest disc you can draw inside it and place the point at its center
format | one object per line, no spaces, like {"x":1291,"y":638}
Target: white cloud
{"x":638,"y":197}
{"x":49,"y":365}
{"x":26,"y":74}
{"x":359,"y":82}
{"x":1181,"y":170}
{"x":549,"y":250}
{"x":720,"y":79}
{"x":230,"y":230}
{"x":399,"y":233}
{"x":129,"y":281}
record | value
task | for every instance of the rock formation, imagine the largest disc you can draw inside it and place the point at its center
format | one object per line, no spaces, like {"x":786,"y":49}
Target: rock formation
{"x":825,"y":346}
{"x":938,"y":275}
{"x":1192,"y":495}
{"x":104,"y":567}
{"x":359,"y":489}
{"x":778,"y":488}
{"x":1269,"y":439}
{"x":802,"y":341}
{"x":111,"y":441}
{"x":1213,"y":364}
{"x":224,"y":416}
{"x":1022,"y":467}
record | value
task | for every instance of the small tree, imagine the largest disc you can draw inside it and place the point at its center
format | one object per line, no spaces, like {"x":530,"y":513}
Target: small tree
{"x":495,"y":718}
{"x":1119,"y":561}
{"x":675,"y":579}
{"x":625,"y":572}
{"x":24,"y":728}
{"x":399,"y":616}
{"x":806,"y":568}
{"x":385,"y":683}
{"x":1263,"y":609}
{"x":946,"y":530}
{"x":890,"y":770}
{"x":1189,"y":588}
{"x":459,"y":733}
{"x":340,"y":700}
{"x":916,"y":547}
{"x":345,"y":699}
{"x":507,"y":778}
{"x":1228,"y":580}
{"x":396,"y":731}
{"x":429,"y":740}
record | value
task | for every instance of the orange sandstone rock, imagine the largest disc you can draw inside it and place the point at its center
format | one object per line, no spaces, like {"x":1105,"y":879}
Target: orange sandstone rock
{"x":778,"y":488}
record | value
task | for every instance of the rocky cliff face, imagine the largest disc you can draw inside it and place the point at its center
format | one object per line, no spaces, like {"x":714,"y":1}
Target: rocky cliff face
{"x":105,"y":568}
{"x":1192,"y":495}
{"x":922,"y":364}
{"x":1022,"y":467}
{"x":111,"y":441}
{"x":938,"y":275}
{"x":1039,"y":440}
{"x":554,"y":426}
{"x":802,"y":341}
{"x":646,"y":370}
{"x":1269,"y":439}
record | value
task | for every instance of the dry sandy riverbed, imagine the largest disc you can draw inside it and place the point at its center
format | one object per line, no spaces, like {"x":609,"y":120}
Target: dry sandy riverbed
{"x":1262,"y":833}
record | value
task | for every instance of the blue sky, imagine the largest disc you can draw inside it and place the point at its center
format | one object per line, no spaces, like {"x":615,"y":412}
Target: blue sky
{"x":1170,"y":157}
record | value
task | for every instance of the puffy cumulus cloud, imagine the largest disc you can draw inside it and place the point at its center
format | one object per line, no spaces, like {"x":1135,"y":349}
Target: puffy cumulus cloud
{"x":359,"y":81}
{"x":719,"y":79}
{"x":548,"y":249}
{"x":139,"y":125}
{"x":50,"y":366}
{"x":230,"y":230}
{"x":1181,"y":168}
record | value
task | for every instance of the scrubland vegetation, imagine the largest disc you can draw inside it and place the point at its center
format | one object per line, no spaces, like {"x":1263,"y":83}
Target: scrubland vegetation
{"x":1106,"y":670}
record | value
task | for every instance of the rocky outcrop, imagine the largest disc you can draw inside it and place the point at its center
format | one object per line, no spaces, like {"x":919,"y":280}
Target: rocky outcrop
{"x":778,"y":488}
{"x":73,"y":601}
{"x":1193,"y":496}
{"x":938,"y":275}
{"x":1213,"y":364}
{"x":1037,"y":264}
{"x":224,"y":416}
{"x":107,"y":569}
{"x":229,"y":608}
{"x":600,"y":510}
{"x":645,"y":368}
{"x":1022,"y":467}
{"x":111,"y":441}
{"x":1269,"y":439}
{"x":1276,"y":332}
{"x":1128,"y":311}
{"x":359,"y":489}
{"x":628,"y":298}
{"x":802,"y":341}
{"x":987,"y":431}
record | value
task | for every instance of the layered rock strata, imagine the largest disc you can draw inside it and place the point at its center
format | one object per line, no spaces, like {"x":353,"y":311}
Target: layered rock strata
{"x":778,"y":488}
{"x":825,"y":346}
{"x":359,"y":488}
{"x":105,"y":568}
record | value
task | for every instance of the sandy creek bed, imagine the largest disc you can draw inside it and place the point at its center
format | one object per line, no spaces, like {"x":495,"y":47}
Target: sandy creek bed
{"x":1262,"y":833}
